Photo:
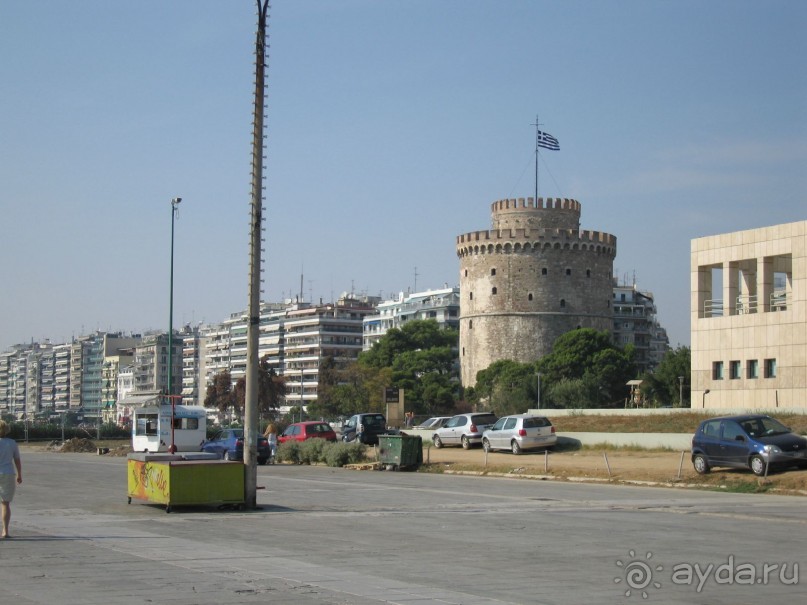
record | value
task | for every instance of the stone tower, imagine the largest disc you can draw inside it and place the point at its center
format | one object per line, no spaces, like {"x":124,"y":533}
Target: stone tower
{"x":533,"y":277}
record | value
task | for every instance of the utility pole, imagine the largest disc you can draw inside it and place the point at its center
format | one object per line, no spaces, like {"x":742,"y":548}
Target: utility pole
{"x":251,"y":425}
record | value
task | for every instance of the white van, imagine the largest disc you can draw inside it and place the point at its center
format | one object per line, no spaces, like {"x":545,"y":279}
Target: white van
{"x":151,"y":428}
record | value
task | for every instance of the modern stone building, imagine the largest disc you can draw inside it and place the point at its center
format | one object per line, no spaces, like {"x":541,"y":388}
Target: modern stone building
{"x":532,"y":277}
{"x":749,"y":318}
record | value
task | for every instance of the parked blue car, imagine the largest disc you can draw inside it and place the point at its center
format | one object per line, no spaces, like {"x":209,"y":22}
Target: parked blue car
{"x":229,"y":444}
{"x":752,"y":441}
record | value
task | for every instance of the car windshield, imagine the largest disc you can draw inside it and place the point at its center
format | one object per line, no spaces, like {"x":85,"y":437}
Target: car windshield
{"x":764,"y":427}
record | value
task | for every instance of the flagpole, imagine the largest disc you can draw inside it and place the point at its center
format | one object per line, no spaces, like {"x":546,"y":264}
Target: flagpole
{"x":536,"y":158}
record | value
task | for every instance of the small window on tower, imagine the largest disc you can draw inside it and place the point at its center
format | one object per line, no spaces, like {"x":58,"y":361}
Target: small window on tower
{"x":543,"y":271}
{"x":562,"y":302}
{"x":493,"y":271}
{"x":568,"y":271}
{"x":493,"y":291}
{"x":529,"y":296}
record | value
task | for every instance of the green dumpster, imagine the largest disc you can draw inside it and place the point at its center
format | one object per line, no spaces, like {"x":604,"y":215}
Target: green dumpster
{"x":397,"y":452}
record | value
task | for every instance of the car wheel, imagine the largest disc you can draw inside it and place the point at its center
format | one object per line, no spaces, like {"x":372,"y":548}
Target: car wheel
{"x":701,"y":464}
{"x":515,"y":447}
{"x":757,"y":464}
{"x":225,"y":455}
{"x":466,"y":444}
{"x":486,"y":445}
{"x":438,"y":443}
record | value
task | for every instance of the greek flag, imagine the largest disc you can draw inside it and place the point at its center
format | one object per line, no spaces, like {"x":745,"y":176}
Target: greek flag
{"x":547,"y":141}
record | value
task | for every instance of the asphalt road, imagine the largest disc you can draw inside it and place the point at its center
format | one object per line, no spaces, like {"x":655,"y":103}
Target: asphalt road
{"x":327,"y":535}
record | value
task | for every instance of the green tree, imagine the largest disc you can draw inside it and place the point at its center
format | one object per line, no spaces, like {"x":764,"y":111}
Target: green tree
{"x":421,"y":359}
{"x":588,"y":355}
{"x":507,"y":387}
{"x":663,"y":385}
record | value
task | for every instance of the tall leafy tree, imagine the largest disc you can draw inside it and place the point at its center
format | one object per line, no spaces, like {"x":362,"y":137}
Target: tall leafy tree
{"x":219,"y":394}
{"x":271,"y":389}
{"x":422,"y":360}
{"x":663,"y":385}
{"x":590,"y":356}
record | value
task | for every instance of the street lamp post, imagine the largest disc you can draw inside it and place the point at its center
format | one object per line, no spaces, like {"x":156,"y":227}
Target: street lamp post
{"x":174,"y":209}
{"x":703,"y":401}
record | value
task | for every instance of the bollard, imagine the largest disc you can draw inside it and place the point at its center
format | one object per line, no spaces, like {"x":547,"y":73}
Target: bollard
{"x":681,"y":465}
{"x":607,"y":466}
{"x":546,"y":461}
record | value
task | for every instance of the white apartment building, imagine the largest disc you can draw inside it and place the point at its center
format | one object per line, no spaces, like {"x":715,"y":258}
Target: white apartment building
{"x":749,"y":318}
{"x":635,"y":323}
{"x":442,"y":305}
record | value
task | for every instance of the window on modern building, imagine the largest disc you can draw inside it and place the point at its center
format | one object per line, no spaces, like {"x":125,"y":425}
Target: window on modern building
{"x":543,"y":271}
{"x":770,"y":368}
{"x":717,"y":370}
{"x":562,"y":302}
{"x":494,"y":291}
{"x":752,"y":368}
{"x":493,"y":271}
{"x":734,"y":370}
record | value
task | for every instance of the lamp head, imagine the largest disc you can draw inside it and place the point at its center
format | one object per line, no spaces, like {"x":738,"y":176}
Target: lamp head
{"x":176,"y":200}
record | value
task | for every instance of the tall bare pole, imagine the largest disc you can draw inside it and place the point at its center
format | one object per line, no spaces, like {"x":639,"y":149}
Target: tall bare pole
{"x":251,"y":423}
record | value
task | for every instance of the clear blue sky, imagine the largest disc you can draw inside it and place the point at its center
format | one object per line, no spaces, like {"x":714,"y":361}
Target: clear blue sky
{"x":392,"y":127}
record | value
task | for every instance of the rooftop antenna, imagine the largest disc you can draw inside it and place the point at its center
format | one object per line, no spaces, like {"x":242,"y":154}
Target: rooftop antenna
{"x":416,"y":279}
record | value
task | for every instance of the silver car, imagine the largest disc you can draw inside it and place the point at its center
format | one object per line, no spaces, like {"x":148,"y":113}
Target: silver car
{"x":464,"y":429}
{"x":433,"y":423}
{"x":520,"y":432}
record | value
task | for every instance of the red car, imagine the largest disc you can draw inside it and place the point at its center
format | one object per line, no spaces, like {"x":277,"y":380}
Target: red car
{"x":312,"y":429}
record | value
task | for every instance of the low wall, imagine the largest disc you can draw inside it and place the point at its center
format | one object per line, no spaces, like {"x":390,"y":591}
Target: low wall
{"x":551,"y":412}
{"x":674,"y":441}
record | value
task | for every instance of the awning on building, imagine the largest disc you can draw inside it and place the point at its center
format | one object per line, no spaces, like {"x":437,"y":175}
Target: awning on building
{"x":138,"y":400}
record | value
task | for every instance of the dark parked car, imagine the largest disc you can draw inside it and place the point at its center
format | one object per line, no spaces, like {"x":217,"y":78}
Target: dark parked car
{"x":312,"y":429}
{"x":229,"y":444}
{"x":752,"y":441}
{"x":364,"y":428}
{"x":464,"y":429}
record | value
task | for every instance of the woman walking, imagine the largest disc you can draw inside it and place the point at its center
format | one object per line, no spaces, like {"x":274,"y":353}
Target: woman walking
{"x":9,"y":476}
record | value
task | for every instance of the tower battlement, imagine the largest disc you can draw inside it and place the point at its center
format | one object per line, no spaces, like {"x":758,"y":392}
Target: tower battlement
{"x":536,"y":239}
{"x":522,"y":213}
{"x":529,"y":203}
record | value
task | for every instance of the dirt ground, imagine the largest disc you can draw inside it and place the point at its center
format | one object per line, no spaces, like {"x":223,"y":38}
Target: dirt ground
{"x":617,"y":466}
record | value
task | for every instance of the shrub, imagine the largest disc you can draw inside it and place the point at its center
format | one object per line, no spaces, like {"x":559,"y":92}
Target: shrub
{"x":311,"y":451}
{"x":340,"y":454}
{"x":288,"y":452}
